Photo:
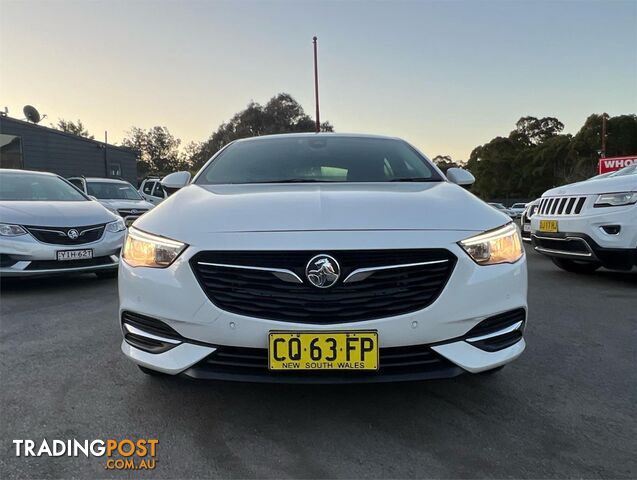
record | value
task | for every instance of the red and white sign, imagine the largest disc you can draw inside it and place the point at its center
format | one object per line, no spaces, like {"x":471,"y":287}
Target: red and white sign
{"x":612,"y":164}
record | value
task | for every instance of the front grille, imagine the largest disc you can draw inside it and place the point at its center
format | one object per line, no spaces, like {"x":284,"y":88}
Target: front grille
{"x":418,"y":361}
{"x":561,"y":206}
{"x":127,"y":212}
{"x":55,"y":264}
{"x":60,"y":235}
{"x":263,"y":295}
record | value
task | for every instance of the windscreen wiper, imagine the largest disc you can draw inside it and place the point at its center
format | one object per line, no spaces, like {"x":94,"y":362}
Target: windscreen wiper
{"x":414,"y":179}
{"x":292,"y":180}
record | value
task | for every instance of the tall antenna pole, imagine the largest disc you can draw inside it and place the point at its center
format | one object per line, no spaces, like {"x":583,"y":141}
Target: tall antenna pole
{"x":316,"y":92}
{"x":603,"y":154}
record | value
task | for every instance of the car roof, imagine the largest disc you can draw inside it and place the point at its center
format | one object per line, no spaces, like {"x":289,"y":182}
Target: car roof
{"x":29,"y":172}
{"x":106,"y":180}
{"x":315,"y":135}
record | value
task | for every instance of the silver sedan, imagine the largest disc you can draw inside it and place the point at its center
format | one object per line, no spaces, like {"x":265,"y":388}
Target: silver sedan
{"x":48,"y":227}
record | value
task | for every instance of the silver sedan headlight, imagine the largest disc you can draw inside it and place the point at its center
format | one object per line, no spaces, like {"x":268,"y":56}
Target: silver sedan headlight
{"x":616,"y":199}
{"x":116,"y":226}
{"x":8,"y":230}
{"x":502,"y":245}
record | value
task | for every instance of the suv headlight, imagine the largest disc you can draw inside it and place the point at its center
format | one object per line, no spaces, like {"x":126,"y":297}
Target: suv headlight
{"x":502,"y":245}
{"x":116,"y":226}
{"x":616,"y":199}
{"x":7,"y":230}
{"x":145,"y":250}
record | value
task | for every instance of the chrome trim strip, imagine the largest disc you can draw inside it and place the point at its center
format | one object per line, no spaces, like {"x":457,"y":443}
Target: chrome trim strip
{"x":281,"y":273}
{"x":63,"y":234}
{"x":553,"y":251}
{"x":509,"y":329}
{"x":362,"y":273}
{"x":142,"y":333}
{"x":562,"y":252}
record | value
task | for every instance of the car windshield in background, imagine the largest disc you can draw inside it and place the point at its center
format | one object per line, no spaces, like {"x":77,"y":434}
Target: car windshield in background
{"x":319,"y":159}
{"x":16,"y":186}
{"x":112,"y":191}
{"x":631,"y":170}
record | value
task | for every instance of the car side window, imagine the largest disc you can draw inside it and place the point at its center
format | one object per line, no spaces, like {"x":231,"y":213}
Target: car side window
{"x":157,"y":191}
{"x":148,"y":188}
{"x":77,"y":183}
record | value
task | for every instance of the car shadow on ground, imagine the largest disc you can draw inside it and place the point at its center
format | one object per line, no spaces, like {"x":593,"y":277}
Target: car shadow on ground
{"x":52,"y":283}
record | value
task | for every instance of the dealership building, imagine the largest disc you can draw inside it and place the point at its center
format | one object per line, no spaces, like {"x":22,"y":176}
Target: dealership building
{"x":29,"y":146}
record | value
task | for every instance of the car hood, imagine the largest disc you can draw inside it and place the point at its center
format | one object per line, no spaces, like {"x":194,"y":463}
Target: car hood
{"x":55,"y":214}
{"x":276,"y":207}
{"x":590,"y":187}
{"x":127,"y":204}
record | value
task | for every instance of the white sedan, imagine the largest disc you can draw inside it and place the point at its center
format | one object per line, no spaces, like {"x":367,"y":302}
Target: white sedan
{"x":322,"y":258}
{"x":49,"y":227}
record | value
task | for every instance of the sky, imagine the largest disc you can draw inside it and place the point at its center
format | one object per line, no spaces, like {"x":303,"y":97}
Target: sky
{"x":445,"y":75}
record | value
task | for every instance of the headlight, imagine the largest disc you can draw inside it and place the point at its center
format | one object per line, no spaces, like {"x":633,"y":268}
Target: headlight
{"x":502,"y":245}
{"x":616,"y":199}
{"x":7,"y":230}
{"x":116,"y":226}
{"x":146,"y":250}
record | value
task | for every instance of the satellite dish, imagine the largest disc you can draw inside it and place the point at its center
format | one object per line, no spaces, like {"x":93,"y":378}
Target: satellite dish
{"x":31,"y":113}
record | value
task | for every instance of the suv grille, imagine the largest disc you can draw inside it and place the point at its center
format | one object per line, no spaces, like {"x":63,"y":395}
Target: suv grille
{"x":561,"y":205}
{"x":384,"y":293}
{"x":60,"y":235}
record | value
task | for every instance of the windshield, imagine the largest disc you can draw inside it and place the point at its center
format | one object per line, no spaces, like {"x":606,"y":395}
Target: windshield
{"x":318,"y":159}
{"x":631,"y":170}
{"x":112,"y":191}
{"x":33,"y":187}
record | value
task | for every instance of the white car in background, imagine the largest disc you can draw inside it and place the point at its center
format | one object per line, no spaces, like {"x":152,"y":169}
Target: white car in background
{"x":119,"y":196}
{"x":518,"y":208}
{"x":503,"y":209}
{"x":49,"y":227}
{"x":525,"y":219}
{"x":322,"y":258}
{"x":586,"y":225}
{"x":152,"y":190}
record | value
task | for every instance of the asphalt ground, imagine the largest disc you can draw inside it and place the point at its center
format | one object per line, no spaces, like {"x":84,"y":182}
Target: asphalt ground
{"x":566,"y":408}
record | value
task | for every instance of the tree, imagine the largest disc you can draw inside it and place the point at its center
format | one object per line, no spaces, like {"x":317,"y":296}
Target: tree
{"x":444,"y":162}
{"x":75,"y":128}
{"x":282,"y":114}
{"x":157,"y":151}
{"x":533,"y":131}
{"x":536,"y":156}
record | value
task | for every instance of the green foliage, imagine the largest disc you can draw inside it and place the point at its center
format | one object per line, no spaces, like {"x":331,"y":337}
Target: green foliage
{"x":282,"y":114}
{"x":536,"y":156}
{"x":157,"y":151}
{"x":444,"y":162}
{"x":75,"y":128}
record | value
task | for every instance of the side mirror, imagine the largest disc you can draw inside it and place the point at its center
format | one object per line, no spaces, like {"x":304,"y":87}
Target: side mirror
{"x":460,"y":176}
{"x":93,"y":198}
{"x":175,"y":181}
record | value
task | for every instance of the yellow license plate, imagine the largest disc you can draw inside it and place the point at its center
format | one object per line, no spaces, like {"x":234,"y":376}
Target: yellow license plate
{"x":323,"y":351}
{"x":548,"y":226}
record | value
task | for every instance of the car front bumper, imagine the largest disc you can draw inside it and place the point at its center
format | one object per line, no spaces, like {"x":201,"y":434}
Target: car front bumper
{"x":25,"y":256}
{"x":584,"y":237}
{"x":473,"y":293}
